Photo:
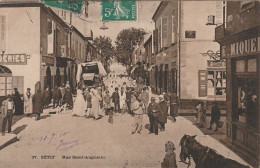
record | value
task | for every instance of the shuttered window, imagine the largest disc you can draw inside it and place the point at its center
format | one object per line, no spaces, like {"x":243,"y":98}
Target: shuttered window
{"x":164,"y":32}
{"x":3,"y":33}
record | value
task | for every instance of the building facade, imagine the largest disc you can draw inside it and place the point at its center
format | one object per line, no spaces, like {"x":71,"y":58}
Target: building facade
{"x":186,"y":54}
{"x":239,"y":38}
{"x":29,"y":55}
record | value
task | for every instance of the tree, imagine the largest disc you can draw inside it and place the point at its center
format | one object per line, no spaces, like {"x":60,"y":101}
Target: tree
{"x":105,"y":45}
{"x":125,"y":42}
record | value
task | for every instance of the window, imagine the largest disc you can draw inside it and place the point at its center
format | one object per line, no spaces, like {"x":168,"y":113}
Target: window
{"x":246,"y":65}
{"x":216,"y":84}
{"x":247,"y":101}
{"x":3,"y":27}
{"x":3,"y":33}
{"x":190,"y":34}
{"x":155,"y":40}
{"x":159,"y":38}
{"x":173,"y":26}
{"x":245,"y":91}
{"x":50,"y":27}
{"x":164,"y":32}
{"x":63,"y":14}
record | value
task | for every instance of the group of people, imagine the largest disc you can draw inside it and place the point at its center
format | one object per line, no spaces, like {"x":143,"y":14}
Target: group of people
{"x":59,"y":96}
{"x":33,"y":104}
{"x":201,"y":115}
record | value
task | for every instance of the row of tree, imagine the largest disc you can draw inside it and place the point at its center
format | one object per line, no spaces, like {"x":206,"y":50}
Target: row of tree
{"x":124,"y":45}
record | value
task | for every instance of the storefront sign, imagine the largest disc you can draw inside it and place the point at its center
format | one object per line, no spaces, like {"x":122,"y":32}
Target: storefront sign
{"x":216,"y":64}
{"x":248,"y":46}
{"x":13,"y":59}
{"x":49,"y":61}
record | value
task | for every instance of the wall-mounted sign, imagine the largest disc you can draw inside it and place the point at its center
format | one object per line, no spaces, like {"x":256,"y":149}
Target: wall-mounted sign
{"x":13,"y":59}
{"x":49,"y":61}
{"x":212,"y":55}
{"x":243,"y":47}
{"x":216,"y":64}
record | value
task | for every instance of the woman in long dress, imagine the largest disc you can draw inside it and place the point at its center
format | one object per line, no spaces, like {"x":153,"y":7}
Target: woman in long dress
{"x":28,"y":104}
{"x":79,"y":105}
{"x":96,"y":99}
{"x":122,"y":95}
{"x":201,"y":114}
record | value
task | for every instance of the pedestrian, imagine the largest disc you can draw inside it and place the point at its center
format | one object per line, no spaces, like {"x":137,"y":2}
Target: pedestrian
{"x":201,"y":114}
{"x":163,"y":112}
{"x":138,"y":110}
{"x":62,"y":91}
{"x":88,"y":103}
{"x":128,"y":99}
{"x":47,"y":97}
{"x":56,"y":95}
{"x":107,"y":102}
{"x":79,"y":105}
{"x":123,"y":100}
{"x":116,"y":100}
{"x":169,"y":160}
{"x":96,"y":99}
{"x":68,"y":98}
{"x":38,"y":104}
{"x":153,"y":113}
{"x":28,"y":105}
{"x":145,"y":98}
{"x":8,"y":108}
{"x":215,"y":116}
{"x":17,"y":102}
{"x":174,"y":105}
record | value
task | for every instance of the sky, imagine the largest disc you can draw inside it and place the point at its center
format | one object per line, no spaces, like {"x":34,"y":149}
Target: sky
{"x":146,"y":10}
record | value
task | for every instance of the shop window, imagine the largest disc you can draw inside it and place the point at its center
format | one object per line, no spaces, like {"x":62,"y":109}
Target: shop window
{"x":247,"y":100}
{"x":5,"y":81}
{"x":252,"y":65}
{"x":240,"y":66}
{"x":216,"y":84}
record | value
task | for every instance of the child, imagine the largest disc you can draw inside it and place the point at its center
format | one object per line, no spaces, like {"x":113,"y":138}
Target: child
{"x":169,"y":160}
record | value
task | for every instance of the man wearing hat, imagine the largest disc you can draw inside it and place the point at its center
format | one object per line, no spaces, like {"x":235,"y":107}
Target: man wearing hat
{"x":153,"y":114}
{"x":7,"y":113}
{"x":38,"y":104}
{"x":163,"y":112}
{"x":115,"y":100}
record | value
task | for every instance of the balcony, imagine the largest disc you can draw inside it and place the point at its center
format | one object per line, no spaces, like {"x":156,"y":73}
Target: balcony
{"x":219,"y":33}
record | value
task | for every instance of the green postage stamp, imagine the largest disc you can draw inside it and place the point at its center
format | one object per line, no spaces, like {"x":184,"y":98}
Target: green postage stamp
{"x":119,"y":11}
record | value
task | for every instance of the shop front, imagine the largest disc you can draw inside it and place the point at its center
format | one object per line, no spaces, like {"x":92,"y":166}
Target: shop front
{"x":10,"y":76}
{"x":242,"y":52}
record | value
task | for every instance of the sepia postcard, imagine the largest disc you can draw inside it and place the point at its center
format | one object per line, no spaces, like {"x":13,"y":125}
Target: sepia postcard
{"x":129,"y":84}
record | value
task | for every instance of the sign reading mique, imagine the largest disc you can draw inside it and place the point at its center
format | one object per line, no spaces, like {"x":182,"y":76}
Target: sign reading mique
{"x":13,"y":59}
{"x":248,"y":46}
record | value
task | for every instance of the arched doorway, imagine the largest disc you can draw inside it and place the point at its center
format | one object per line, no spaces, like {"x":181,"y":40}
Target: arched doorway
{"x":5,"y":81}
{"x":48,"y":78}
{"x":58,"y":77}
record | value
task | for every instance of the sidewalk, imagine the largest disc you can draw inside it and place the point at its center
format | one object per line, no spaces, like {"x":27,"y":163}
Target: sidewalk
{"x":19,"y":123}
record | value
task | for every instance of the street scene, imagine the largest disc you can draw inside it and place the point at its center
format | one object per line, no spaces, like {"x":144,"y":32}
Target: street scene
{"x":129,"y":84}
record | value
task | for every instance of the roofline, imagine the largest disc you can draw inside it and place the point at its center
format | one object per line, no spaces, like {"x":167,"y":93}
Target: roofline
{"x":78,"y":32}
{"x":33,"y":4}
{"x":147,"y":41}
{"x":155,"y":13}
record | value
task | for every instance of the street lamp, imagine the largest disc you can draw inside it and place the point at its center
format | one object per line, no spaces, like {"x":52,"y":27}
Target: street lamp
{"x":103,"y":27}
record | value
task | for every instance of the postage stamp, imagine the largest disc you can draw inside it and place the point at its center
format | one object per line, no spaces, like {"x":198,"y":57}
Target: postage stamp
{"x":119,"y":11}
